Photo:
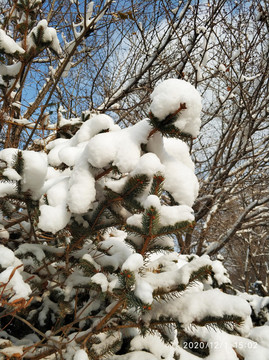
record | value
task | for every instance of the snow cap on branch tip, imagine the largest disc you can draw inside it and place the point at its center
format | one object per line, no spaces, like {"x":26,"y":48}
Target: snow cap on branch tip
{"x":8,"y":45}
{"x":173,"y":95}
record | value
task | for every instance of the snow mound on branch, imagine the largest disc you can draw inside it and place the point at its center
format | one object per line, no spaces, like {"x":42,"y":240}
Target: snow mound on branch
{"x":117,"y":250}
{"x":101,"y":280}
{"x":195,"y":306}
{"x":134,"y":262}
{"x":8,"y":156}
{"x":53,"y":218}
{"x":261,"y":335}
{"x":179,"y":150}
{"x":11,"y":276}
{"x":69,"y":151}
{"x":180,"y":179}
{"x":92,"y":127}
{"x":120,"y":148}
{"x":8,"y":258}
{"x":54,"y":148}
{"x":143,"y":290}
{"x":10,"y":70}
{"x":11,"y":174}
{"x":166,"y":100}
{"x":34,"y":172}
{"x":153,"y":344}
{"x":49,"y":36}
{"x":82,"y":187}
{"x":81,"y":355}
{"x":149,"y":164}
{"x":8,"y":45}
{"x":169,"y":215}
{"x":54,"y":214}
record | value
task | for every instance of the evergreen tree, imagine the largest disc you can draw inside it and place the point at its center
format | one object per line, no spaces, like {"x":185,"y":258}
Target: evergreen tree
{"x":92,"y":272}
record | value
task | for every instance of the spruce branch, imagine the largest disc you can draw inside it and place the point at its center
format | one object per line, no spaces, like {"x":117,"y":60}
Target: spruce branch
{"x":148,"y":226}
{"x":222,"y":322}
{"x":97,"y":328}
{"x":156,"y":186}
{"x":179,"y":227}
{"x":164,"y":126}
{"x":134,"y":187}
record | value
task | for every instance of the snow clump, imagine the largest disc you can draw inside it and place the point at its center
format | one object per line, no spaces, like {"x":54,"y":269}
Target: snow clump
{"x":167,"y":98}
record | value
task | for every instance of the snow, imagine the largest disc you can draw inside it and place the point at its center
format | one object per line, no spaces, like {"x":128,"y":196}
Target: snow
{"x":69,"y":155}
{"x":248,"y":78}
{"x":12,"y":351}
{"x":148,"y":164}
{"x":100,"y":156}
{"x":144,"y":291}
{"x":114,"y":184}
{"x":55,"y":215}
{"x":86,"y":151}
{"x":220,"y":273}
{"x":118,"y":251}
{"x":11,"y":174}
{"x":81,"y":187}
{"x":53,"y":218}
{"x":256,"y":302}
{"x":104,"y":340}
{"x":15,"y":284}
{"x":199,"y":73}
{"x":7,"y":189}
{"x":49,"y":36}
{"x":114,"y":152}
{"x":166,"y":100}
{"x":57,"y":190}
{"x":8,"y":45}
{"x":101,"y":280}
{"x":35,"y":249}
{"x":54,"y":147}
{"x":4,"y":234}
{"x":135,"y":220}
{"x":34,"y":172}
{"x":8,"y":155}
{"x":179,"y":150}
{"x":47,"y":305}
{"x":89,"y":259}
{"x":80,"y":355}
{"x":133,"y":262}
{"x":10,"y":70}
{"x":69,"y":151}
{"x":260,"y":334}
{"x":187,"y":269}
{"x":154,"y":345}
{"x":8,"y":258}
{"x":222,"y":67}
{"x":180,"y":179}
{"x":152,"y":201}
{"x":196,"y":305}
{"x":168,"y":215}
{"x":92,"y":127}
{"x":67,"y":122}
